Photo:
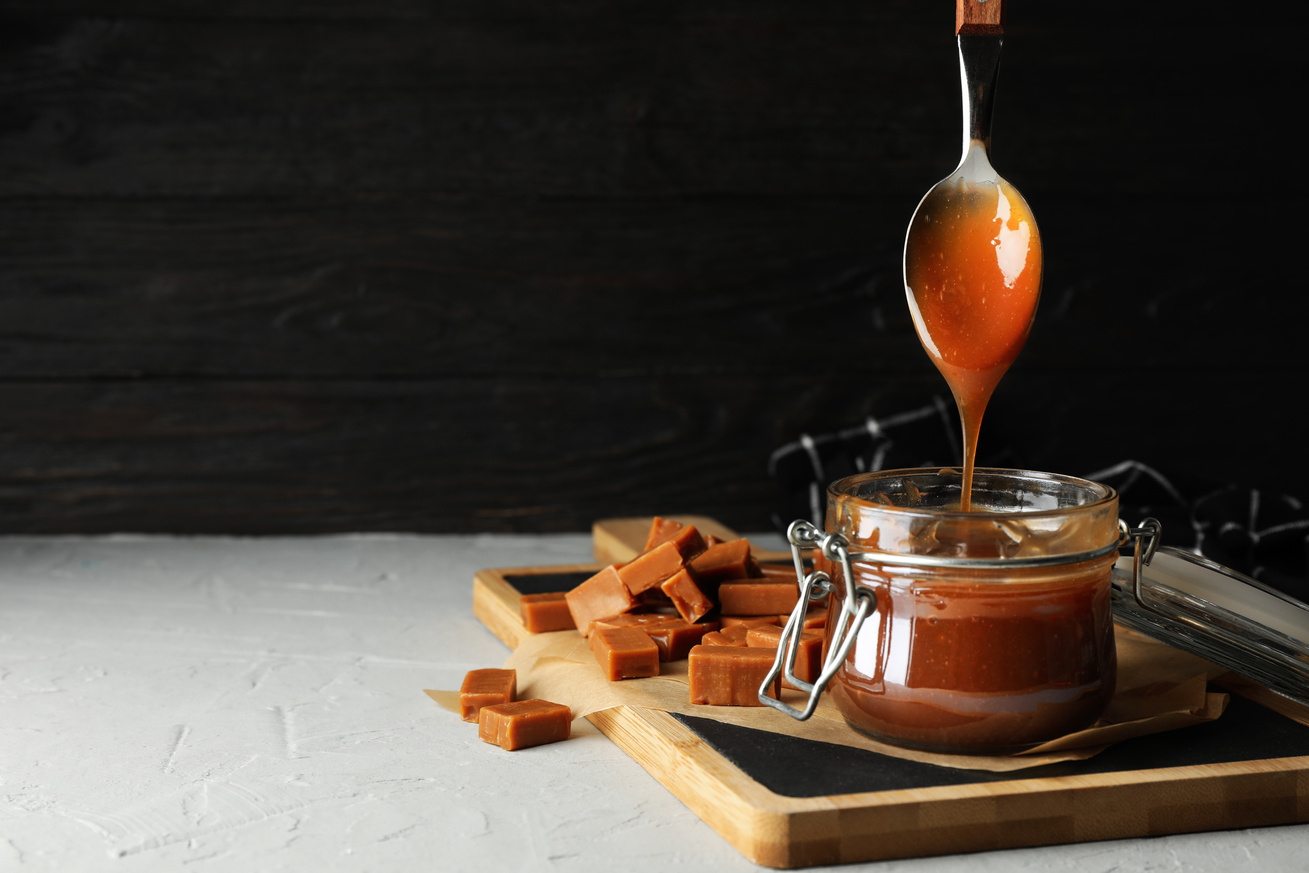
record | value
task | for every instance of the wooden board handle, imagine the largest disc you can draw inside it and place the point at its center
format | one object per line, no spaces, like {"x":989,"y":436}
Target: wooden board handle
{"x":978,"y":16}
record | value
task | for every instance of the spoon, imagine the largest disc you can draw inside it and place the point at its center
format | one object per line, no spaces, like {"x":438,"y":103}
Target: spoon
{"x":972,"y":256}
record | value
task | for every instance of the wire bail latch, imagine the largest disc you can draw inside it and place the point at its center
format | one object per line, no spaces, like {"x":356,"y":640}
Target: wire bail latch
{"x":814,"y":586}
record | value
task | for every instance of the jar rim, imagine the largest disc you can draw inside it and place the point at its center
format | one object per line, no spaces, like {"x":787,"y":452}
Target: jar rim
{"x":1024,"y":518}
{"x":1100,"y":495}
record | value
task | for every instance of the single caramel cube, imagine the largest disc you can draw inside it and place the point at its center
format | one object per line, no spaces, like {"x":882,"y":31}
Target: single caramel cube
{"x":808,"y":652}
{"x":757,"y":598}
{"x":486,"y":687}
{"x":665,"y":628}
{"x":676,"y":638}
{"x":649,"y":569}
{"x":729,"y":675}
{"x":513,"y":726}
{"x":688,"y":541}
{"x":752,"y":620}
{"x":661,"y":531}
{"x":641,"y":620}
{"x":543,"y":613}
{"x":685,"y":537}
{"x":736,"y":635}
{"x":726,"y":560}
{"x":601,"y":596}
{"x":625,"y":653}
{"x":815,"y":618}
{"x":691,"y":602}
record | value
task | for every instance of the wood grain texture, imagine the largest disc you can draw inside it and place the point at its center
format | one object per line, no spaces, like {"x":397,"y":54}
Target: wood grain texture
{"x":978,"y":16}
{"x":435,"y":286}
{"x":592,"y":100}
{"x":405,"y":287}
{"x":290,"y":266}
{"x":546,"y":454}
{"x":729,"y":99}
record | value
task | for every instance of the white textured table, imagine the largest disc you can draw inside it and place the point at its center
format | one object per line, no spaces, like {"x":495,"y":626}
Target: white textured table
{"x":253,"y":705}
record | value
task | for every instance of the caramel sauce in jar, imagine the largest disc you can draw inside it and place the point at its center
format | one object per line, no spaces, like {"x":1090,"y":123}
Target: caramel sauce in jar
{"x":998,"y":645}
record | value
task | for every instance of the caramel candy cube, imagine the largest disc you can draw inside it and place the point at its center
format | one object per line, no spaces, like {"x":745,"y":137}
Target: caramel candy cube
{"x":753,"y":620}
{"x":778,"y":572}
{"x":758,"y":598}
{"x":685,"y":537}
{"x":673,"y":634}
{"x":736,"y":635}
{"x":513,"y":726}
{"x":815,"y":618}
{"x":725,"y":560}
{"x":649,"y":569}
{"x":654,"y":600}
{"x":543,"y":613}
{"x":808,"y":652}
{"x":625,"y":653}
{"x":689,"y":542}
{"x":676,"y":638}
{"x":729,"y":675}
{"x":601,"y":596}
{"x":486,"y":687}
{"x":683,"y":590}
{"x":661,"y":530}
{"x":641,"y":620}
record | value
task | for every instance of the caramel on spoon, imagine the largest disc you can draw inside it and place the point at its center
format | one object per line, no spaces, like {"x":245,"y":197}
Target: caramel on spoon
{"x":972,"y":255}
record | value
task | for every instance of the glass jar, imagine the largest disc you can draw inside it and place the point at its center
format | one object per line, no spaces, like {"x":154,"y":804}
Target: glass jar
{"x":991,"y":630}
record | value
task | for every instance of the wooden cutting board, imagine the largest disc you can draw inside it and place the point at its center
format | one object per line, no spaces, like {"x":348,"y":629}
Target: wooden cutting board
{"x":786,"y":802}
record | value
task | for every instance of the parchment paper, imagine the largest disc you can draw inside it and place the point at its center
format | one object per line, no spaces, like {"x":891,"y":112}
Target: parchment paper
{"x":1159,"y":688}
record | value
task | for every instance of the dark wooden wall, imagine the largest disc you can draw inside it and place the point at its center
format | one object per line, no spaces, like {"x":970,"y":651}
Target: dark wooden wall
{"x":284,"y":266}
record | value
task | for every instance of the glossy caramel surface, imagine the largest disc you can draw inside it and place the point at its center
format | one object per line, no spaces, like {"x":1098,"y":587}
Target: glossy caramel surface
{"x":985,"y":666}
{"x":973,"y":264}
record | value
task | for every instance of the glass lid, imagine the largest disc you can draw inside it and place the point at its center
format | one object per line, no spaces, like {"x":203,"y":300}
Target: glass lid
{"x":1211,"y":611}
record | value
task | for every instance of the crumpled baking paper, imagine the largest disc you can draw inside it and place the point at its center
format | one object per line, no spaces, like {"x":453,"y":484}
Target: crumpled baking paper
{"x":1159,"y":689}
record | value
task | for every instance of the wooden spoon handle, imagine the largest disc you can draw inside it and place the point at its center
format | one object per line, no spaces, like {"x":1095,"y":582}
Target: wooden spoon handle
{"x":978,"y":16}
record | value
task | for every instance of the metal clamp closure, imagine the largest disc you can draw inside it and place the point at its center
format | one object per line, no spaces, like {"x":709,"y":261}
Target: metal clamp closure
{"x":1147,"y":538}
{"x":814,"y":586}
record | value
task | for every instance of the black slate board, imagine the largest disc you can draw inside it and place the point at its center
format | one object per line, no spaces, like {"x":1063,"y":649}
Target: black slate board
{"x":545,"y":583}
{"x":796,"y":767}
